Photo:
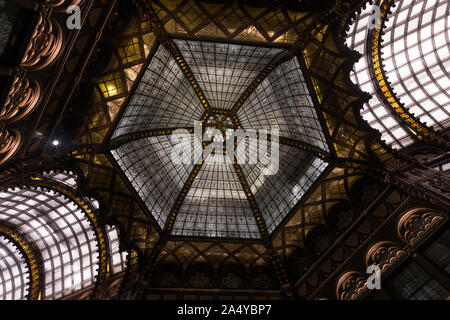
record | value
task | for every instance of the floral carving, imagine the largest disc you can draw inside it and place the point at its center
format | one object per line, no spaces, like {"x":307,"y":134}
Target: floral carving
{"x":350,"y":286}
{"x":22,"y":98}
{"x":416,"y":224}
{"x":44,"y":46}
{"x":384,"y":255}
{"x":9,"y":142}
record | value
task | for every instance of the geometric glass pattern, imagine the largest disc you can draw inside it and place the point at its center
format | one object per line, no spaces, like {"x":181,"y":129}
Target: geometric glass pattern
{"x":216,"y":205}
{"x":14,"y":275}
{"x":414,"y":283}
{"x":60,"y":231}
{"x":282,"y":102}
{"x":416,"y":58}
{"x":148,"y":165}
{"x":214,"y":198}
{"x":163,"y":99}
{"x":277,"y":194}
{"x":375,"y":112}
{"x":416,"y":55}
{"x":224,"y":71}
{"x":118,"y":258}
{"x":439,"y":251}
{"x":67,"y":178}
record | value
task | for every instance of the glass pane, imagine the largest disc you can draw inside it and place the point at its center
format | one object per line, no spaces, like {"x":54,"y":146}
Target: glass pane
{"x":414,"y":283}
{"x":61,"y":230}
{"x":14,"y":273}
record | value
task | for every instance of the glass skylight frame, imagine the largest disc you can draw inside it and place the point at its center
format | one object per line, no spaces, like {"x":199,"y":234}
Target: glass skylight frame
{"x":224,"y":213}
{"x":394,"y":49}
{"x":375,"y":112}
{"x":134,"y":155}
{"x":221,"y":64}
{"x":151,"y":175}
{"x":62,"y":233}
{"x":417,"y":63}
{"x":277,"y":195}
{"x":118,"y":258}
{"x":14,"y":271}
{"x":285,"y":94}
{"x":168,"y":97}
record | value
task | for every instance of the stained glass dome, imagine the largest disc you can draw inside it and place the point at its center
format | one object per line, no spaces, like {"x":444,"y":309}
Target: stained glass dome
{"x":225,"y":87}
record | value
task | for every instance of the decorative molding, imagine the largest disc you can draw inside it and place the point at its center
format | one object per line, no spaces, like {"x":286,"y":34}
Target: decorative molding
{"x":22,"y":98}
{"x":385,"y":255}
{"x":45,"y":44}
{"x":415,"y":225}
{"x":9,"y":142}
{"x":417,"y":130}
{"x":44,"y":47}
{"x":351,"y":286}
{"x":440,"y":182}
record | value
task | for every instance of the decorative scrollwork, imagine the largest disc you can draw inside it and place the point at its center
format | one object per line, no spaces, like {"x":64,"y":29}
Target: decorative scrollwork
{"x":9,"y":142}
{"x":350,"y":286}
{"x":22,"y":98}
{"x":384,"y":254}
{"x":414,"y":225}
{"x":45,"y":44}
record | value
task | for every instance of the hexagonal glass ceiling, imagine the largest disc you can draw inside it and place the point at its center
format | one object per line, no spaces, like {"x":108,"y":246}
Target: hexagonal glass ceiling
{"x":224,"y":87}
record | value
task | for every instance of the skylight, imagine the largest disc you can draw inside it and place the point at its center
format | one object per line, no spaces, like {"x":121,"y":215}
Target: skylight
{"x":209,"y":198}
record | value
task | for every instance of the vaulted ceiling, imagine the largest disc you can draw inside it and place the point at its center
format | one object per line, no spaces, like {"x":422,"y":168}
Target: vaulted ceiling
{"x":105,"y":103}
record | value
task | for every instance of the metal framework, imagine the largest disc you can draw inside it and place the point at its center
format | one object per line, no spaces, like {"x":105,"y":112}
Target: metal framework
{"x":20,"y":269}
{"x":296,"y":234}
{"x":395,"y":57}
{"x":216,"y":73}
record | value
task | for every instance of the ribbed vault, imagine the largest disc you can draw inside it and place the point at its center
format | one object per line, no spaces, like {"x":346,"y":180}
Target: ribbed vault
{"x":223,"y":87}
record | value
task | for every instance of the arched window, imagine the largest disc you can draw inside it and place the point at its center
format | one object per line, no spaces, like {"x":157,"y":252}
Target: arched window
{"x":118,"y":258}
{"x":415,"y":58}
{"x":62,"y":233}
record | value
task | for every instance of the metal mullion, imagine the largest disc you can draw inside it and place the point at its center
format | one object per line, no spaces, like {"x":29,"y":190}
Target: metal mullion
{"x":409,"y":64}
